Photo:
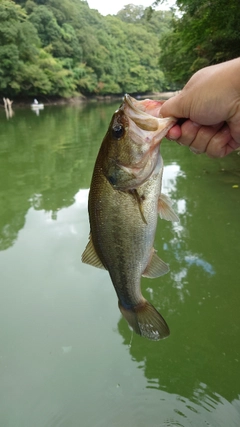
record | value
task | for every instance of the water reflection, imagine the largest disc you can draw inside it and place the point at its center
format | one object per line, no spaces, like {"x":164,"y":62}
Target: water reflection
{"x":182,"y":393}
{"x":196,"y":260}
{"x":44,"y":161}
{"x":63,"y":348}
{"x":192,"y":298}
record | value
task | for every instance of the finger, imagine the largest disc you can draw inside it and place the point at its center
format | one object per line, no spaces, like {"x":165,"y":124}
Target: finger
{"x":184,"y":134}
{"x":174,"y":133}
{"x":235,"y":130}
{"x":203,"y":137}
{"x":222,"y":143}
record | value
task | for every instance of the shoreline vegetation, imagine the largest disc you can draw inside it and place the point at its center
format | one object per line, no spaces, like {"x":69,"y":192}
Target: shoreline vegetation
{"x":60,"y":52}
{"x":22,"y":103}
{"x":52,"y":51}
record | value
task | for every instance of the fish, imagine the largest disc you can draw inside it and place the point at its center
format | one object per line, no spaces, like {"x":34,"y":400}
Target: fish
{"x":124,"y":202}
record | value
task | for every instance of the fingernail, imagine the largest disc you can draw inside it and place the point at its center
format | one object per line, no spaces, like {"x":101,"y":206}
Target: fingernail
{"x":194,"y":150}
{"x":171,"y":138}
{"x":196,"y":124}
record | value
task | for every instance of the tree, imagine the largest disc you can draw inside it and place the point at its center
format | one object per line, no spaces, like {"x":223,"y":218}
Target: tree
{"x":131,"y":13}
{"x":18,"y":45}
{"x":201,"y":36}
{"x":65,"y":48}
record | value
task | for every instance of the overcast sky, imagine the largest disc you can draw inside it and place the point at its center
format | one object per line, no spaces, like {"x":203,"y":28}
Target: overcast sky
{"x":111,"y":7}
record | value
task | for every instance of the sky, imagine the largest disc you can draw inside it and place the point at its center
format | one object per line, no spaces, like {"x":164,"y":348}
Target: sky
{"x":111,"y":7}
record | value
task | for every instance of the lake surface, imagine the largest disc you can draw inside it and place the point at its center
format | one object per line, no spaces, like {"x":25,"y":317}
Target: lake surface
{"x":67,"y":357}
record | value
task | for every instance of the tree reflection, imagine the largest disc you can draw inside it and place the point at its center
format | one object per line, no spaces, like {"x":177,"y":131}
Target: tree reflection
{"x":45,"y":160}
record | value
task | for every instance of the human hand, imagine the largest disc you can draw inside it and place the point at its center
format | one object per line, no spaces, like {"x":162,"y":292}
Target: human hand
{"x":210,"y":103}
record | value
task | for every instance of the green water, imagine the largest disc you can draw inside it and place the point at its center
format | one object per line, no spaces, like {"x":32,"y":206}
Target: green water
{"x":67,"y":358}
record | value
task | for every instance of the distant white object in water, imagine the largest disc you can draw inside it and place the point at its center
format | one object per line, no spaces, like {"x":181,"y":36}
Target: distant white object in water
{"x":36,"y":107}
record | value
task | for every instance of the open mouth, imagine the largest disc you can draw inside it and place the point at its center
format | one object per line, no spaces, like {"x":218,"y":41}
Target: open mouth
{"x":145,"y":115}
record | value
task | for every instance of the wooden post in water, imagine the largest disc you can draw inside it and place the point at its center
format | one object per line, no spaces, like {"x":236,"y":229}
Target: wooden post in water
{"x":8,"y":108}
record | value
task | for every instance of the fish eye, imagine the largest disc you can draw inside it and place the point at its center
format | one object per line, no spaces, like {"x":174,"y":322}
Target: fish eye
{"x":117,"y":131}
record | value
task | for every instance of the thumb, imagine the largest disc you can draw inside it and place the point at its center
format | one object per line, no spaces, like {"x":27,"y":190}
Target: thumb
{"x":175,"y":107}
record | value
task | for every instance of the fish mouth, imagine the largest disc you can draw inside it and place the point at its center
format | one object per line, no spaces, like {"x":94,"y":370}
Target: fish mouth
{"x":145,"y":129}
{"x":145,"y":123}
{"x":139,"y":125}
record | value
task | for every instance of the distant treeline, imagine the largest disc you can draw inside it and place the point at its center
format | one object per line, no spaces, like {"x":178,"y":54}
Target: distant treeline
{"x":63,"y":48}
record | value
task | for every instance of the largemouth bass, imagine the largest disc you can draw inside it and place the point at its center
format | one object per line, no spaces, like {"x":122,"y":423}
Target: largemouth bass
{"x":124,"y":202}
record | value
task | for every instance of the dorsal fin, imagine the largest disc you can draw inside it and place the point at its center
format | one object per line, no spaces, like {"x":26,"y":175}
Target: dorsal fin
{"x":90,"y":255}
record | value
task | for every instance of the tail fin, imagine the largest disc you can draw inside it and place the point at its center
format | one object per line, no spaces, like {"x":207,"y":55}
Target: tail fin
{"x":146,"y":321}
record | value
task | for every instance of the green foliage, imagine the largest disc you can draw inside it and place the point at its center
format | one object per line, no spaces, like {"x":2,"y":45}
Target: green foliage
{"x":18,"y":46}
{"x":63,"y":48}
{"x":207,"y":33}
{"x":131,"y":14}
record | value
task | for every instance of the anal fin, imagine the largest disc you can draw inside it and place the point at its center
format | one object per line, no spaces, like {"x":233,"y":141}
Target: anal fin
{"x":156,"y":266}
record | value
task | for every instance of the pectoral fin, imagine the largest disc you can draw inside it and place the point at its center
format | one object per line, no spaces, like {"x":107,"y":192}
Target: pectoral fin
{"x":90,"y":255}
{"x":165,"y":209}
{"x":139,"y":202}
{"x":156,"y":266}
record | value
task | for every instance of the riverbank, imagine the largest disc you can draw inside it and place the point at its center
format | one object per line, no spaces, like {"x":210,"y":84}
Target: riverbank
{"x":26,"y":102}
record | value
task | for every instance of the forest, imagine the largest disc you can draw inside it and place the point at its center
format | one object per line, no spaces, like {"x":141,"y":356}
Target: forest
{"x":52,"y":48}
